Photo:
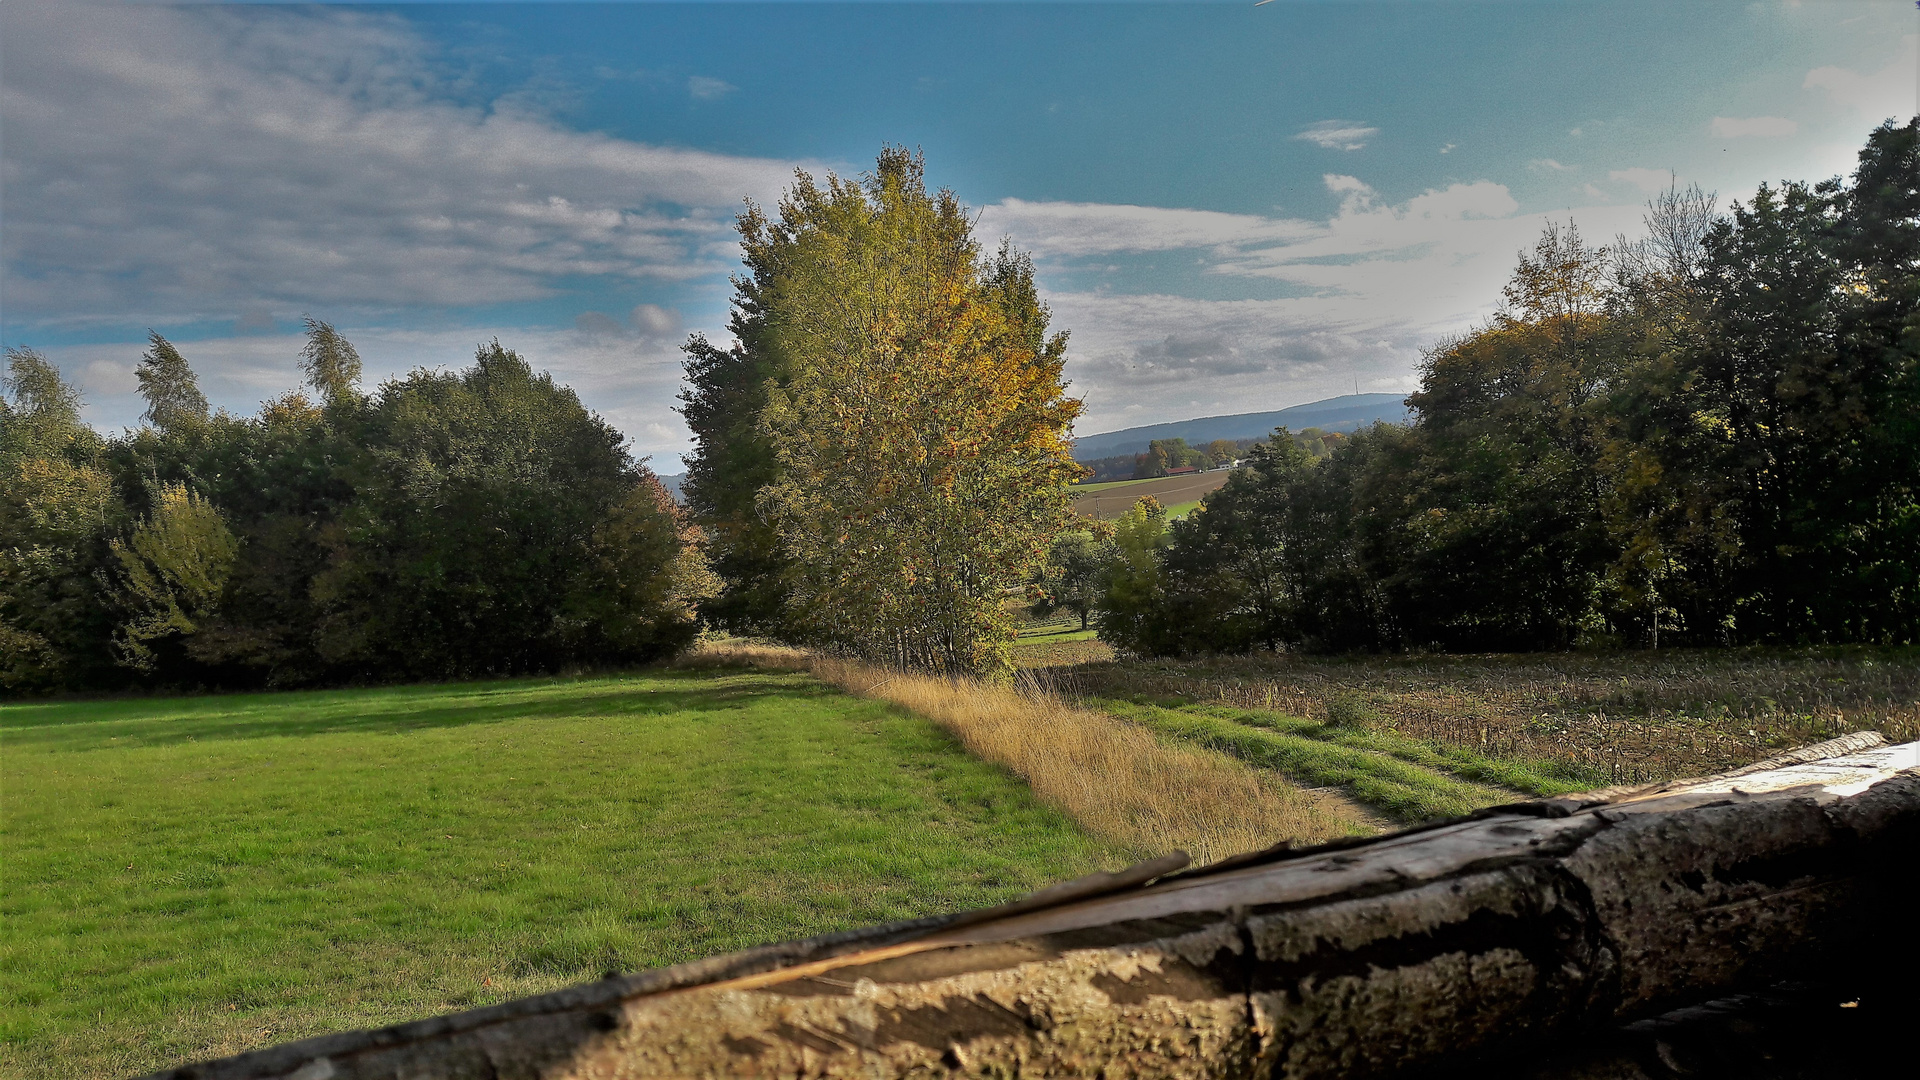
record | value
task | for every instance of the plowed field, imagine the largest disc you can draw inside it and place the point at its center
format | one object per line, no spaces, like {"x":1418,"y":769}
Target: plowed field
{"x":1108,"y":501}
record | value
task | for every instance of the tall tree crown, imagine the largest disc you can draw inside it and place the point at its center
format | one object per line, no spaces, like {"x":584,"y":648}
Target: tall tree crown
{"x":169,"y":385}
{"x":330,"y":361}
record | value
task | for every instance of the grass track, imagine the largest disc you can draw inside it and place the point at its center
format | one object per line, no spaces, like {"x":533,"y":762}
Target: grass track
{"x":1540,"y":778}
{"x":193,"y":876}
{"x":1406,"y":792}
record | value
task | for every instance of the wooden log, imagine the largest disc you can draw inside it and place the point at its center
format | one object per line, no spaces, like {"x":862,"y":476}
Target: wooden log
{"x":1514,"y":927}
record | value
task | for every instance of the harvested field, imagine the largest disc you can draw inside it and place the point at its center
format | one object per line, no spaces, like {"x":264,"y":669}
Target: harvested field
{"x":1108,"y":501}
{"x":1612,"y":717}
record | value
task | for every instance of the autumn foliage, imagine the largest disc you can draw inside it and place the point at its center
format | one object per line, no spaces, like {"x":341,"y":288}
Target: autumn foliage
{"x":909,"y":428}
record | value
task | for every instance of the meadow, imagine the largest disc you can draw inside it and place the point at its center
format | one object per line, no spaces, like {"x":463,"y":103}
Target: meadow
{"x":194,"y":876}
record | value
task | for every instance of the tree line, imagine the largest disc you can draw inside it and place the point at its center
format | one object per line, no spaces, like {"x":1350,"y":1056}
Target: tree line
{"x":1707,"y":435}
{"x":445,"y":525}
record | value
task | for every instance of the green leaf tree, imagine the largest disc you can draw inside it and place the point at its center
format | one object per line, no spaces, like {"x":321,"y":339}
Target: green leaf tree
{"x":1073,"y":578}
{"x":331,"y":363}
{"x":173,"y":569}
{"x":57,"y":507}
{"x":167,"y":382}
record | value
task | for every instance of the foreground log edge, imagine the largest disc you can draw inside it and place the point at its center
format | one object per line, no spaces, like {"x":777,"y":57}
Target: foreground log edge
{"x":1502,"y":930}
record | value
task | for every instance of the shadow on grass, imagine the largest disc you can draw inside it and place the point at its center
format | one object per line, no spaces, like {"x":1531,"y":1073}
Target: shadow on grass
{"x":163,"y":721}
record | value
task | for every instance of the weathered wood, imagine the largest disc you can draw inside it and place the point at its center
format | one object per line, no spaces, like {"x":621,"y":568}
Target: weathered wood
{"x":1508,"y":928}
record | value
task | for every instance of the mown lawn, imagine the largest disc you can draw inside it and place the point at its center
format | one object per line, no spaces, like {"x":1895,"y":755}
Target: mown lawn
{"x":186,"y":877}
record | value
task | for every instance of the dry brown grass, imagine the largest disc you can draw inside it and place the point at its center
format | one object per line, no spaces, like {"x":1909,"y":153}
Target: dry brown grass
{"x":745,"y":653}
{"x":1115,"y":779}
{"x":1631,"y":717}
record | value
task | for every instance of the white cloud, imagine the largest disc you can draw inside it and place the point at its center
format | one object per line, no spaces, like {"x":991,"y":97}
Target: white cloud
{"x":1482,"y":199}
{"x":1648,"y":180}
{"x":705,"y":89}
{"x":166,"y":164}
{"x":1447,"y":149}
{"x":1372,"y":286}
{"x":1892,"y":91}
{"x":1073,"y":229}
{"x":1766,"y":127}
{"x":1548,"y":165}
{"x":1338,"y":134}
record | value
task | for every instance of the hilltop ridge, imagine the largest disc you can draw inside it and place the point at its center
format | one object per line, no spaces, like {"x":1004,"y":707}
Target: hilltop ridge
{"x":1347,"y":412}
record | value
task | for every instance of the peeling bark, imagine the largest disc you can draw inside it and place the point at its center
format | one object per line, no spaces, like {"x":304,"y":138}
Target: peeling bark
{"x":1519,"y":927}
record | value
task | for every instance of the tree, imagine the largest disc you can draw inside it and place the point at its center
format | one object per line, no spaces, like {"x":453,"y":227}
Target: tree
{"x":911,"y":447}
{"x":499,"y":527}
{"x":1811,"y":363}
{"x":167,"y":382}
{"x":173,"y":569}
{"x":1073,"y":577}
{"x":331,"y":362}
{"x":57,"y":506}
{"x":1134,"y":613}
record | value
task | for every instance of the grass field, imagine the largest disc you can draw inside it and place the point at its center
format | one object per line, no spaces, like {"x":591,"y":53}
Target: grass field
{"x":194,"y":876}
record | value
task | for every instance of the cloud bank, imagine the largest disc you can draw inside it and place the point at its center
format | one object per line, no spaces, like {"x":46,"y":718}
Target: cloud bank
{"x":170,"y":164}
{"x":1371,"y":287}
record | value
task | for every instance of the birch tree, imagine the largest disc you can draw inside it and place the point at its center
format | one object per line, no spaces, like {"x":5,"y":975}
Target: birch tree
{"x":921,"y":430}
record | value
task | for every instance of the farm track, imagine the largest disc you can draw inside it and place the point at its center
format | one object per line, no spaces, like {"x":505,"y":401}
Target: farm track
{"x":1405,"y":780}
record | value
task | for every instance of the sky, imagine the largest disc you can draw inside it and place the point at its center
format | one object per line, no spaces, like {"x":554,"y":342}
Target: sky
{"x":1232,"y":208}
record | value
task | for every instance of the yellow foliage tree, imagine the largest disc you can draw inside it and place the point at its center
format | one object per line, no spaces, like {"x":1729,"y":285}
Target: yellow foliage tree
{"x":922,"y":431}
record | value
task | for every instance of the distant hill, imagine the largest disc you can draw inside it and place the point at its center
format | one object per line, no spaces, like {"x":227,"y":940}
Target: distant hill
{"x":672,"y":484}
{"x":1348,"y":412}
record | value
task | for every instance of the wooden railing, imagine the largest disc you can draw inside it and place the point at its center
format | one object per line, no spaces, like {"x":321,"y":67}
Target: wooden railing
{"x":1515,"y":931}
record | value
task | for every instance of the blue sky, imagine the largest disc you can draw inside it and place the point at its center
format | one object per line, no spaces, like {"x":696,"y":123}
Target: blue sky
{"x":1233,"y":208}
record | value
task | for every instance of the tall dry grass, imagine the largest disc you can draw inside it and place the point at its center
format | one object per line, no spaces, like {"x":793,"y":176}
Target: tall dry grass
{"x":745,"y":653}
{"x":1115,"y":779}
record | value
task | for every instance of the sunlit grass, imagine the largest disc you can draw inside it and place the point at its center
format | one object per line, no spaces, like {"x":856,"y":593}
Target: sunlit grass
{"x":1118,"y":781}
{"x":187,"y":877}
{"x":1407,"y":792}
{"x":1524,"y":776}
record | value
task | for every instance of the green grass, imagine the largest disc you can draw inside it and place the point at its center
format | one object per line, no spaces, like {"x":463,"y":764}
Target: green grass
{"x":1408,"y":793}
{"x":1069,"y":631}
{"x":1180,"y":510}
{"x":193,"y":876}
{"x":1542,"y":778}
